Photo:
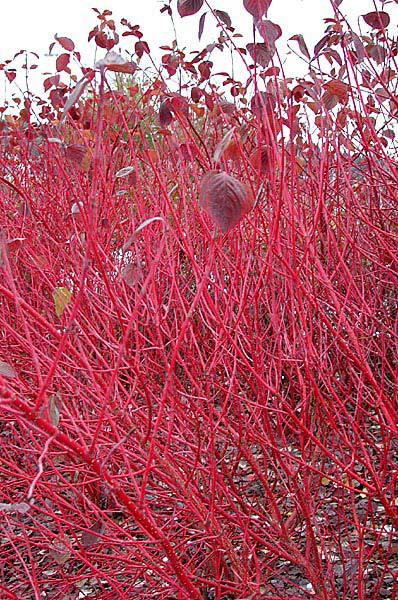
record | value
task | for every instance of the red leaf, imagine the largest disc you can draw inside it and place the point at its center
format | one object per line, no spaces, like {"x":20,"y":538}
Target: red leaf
{"x":225,"y":199}
{"x":257,"y":8}
{"x":165,"y":114}
{"x":260,"y":53}
{"x":209,"y":100}
{"x":260,"y":159}
{"x":62,"y":62}
{"x":322,"y":42}
{"x":338,"y":88}
{"x":179,"y":104}
{"x":50,"y":81}
{"x":359,"y":47}
{"x":10,"y":75}
{"x":330,"y":100}
{"x":269,"y":31}
{"x":224,"y":17}
{"x":189,"y":151}
{"x":262,"y":101}
{"x":189,"y":7}
{"x":302,"y":45}
{"x":103,"y":41}
{"x":201,"y":24}
{"x":378,"y":53}
{"x":196,"y":93}
{"x":66,"y":43}
{"x":141,"y":47}
{"x":377,"y":19}
{"x":132,"y":274}
{"x":75,"y":153}
{"x":205,"y":69}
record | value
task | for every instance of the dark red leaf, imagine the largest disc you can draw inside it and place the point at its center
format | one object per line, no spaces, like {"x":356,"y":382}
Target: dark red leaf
{"x":196,"y":93}
{"x":377,"y":19}
{"x":140,"y":48}
{"x":262,"y":101}
{"x":225,"y":199}
{"x":189,"y":151}
{"x":62,"y":62}
{"x":201,"y":24}
{"x":165,"y":114}
{"x":205,"y":69}
{"x":75,"y":153}
{"x":224,"y":17}
{"x":66,"y":43}
{"x":260,"y":53}
{"x":302,"y":45}
{"x":91,"y":537}
{"x":359,"y":47}
{"x":103,"y":41}
{"x":257,"y":8}
{"x":269,"y":31}
{"x":260,"y":159}
{"x":189,"y":7}
{"x":322,"y":42}
{"x":377,"y":52}
{"x":209,"y":100}
{"x":179,"y":104}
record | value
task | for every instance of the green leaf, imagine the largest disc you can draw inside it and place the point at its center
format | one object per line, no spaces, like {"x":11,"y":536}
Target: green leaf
{"x":62,"y":297}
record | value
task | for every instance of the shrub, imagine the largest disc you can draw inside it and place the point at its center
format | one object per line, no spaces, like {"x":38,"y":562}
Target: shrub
{"x":202,"y":403}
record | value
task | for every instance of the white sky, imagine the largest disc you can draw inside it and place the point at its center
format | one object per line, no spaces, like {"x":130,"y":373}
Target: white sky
{"x":31,"y":24}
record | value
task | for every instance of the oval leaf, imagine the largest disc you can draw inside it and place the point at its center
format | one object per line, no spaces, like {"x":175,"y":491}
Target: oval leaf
{"x":377,"y":19}
{"x":92,"y":536}
{"x":225,"y":199}
{"x":131,"y":274}
{"x":338,"y":88}
{"x":75,"y":153}
{"x":261,"y":53}
{"x":187,"y":8}
{"x":257,"y":8}
{"x":269,"y":31}
{"x":62,"y":62}
{"x":62,"y":297}
{"x":224,"y":17}
{"x":165,"y":114}
{"x":66,"y":43}
{"x":6,"y":370}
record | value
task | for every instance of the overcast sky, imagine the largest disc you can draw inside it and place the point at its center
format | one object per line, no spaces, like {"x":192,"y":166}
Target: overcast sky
{"x":31,"y":24}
